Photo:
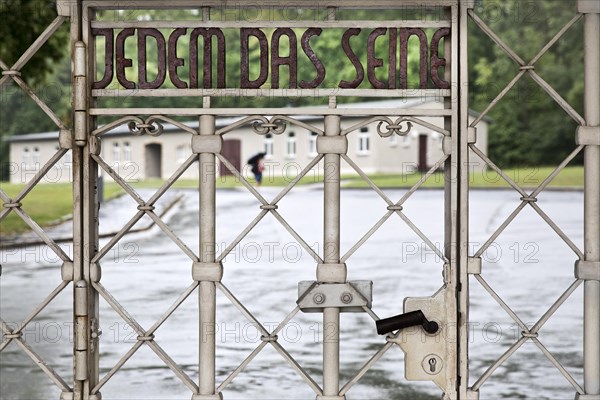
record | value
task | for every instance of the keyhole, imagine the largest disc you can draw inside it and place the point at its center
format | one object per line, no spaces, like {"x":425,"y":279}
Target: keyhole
{"x":432,"y":362}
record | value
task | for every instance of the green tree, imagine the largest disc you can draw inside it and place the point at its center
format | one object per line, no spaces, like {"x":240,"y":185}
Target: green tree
{"x":22,"y":22}
{"x":529,"y":128}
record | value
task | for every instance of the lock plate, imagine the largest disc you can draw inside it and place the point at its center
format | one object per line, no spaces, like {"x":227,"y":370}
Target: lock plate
{"x":431,"y":357}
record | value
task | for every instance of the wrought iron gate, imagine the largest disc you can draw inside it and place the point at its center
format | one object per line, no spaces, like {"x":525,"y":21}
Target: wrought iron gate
{"x":444,"y":362}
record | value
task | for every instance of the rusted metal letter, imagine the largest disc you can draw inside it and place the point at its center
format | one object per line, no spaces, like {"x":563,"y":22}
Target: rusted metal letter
{"x":245,"y":82}
{"x":405,"y":34}
{"x":143,"y":33}
{"x":392,"y":59}
{"x":372,"y":61}
{"x":305,"y":42}
{"x":174,"y":61}
{"x":207,"y":35}
{"x":109,"y":43}
{"x":360,"y":72}
{"x":122,"y":61}
{"x":436,"y":62}
{"x":291,"y":60}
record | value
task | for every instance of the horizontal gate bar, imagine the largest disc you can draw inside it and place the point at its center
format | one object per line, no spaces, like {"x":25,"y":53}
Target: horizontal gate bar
{"x":236,"y":92}
{"x":273,"y":24}
{"x":421,"y":112}
{"x":319,"y":4}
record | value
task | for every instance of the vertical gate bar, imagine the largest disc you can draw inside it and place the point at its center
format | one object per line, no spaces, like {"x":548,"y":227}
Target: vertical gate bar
{"x":90,"y":209}
{"x":331,"y":254}
{"x":463,"y":201}
{"x":451,"y":189}
{"x":207,"y":291}
{"x":77,"y":193}
{"x":592,"y":205}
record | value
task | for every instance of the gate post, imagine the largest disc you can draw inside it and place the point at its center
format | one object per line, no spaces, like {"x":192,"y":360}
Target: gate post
{"x":331,"y":259}
{"x":85,"y":212}
{"x":204,"y":271}
{"x":591,"y":345}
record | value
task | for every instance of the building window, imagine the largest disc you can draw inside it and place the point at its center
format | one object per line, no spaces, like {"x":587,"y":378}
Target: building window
{"x":364,"y":145}
{"x":291,"y":145}
{"x":406,"y":140}
{"x":116,"y":153}
{"x":269,"y":146}
{"x":25,"y":157}
{"x":312,"y":144}
{"x":126,"y":152}
{"x":36,"y":157}
{"x":181,"y":154}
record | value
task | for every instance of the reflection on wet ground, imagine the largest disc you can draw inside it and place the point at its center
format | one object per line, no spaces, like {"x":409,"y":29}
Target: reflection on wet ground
{"x":528,"y":265}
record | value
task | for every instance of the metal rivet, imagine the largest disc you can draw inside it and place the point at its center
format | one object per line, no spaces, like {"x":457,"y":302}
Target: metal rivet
{"x":319,"y":298}
{"x":346,"y":298}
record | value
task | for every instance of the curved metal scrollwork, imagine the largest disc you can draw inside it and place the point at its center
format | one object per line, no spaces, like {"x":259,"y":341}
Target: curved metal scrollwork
{"x":275,"y":126}
{"x":149,"y":127}
{"x":138,"y":126}
{"x":286,"y":119}
{"x":394,"y":127}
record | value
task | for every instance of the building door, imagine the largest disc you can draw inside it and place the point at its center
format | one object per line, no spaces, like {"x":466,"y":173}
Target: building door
{"x":153,"y":158}
{"x":232,"y":150}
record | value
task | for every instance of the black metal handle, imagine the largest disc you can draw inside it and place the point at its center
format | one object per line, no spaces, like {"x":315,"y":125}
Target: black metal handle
{"x":402,"y":321}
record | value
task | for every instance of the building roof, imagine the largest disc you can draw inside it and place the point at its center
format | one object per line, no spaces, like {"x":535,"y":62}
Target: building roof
{"x":224,"y":121}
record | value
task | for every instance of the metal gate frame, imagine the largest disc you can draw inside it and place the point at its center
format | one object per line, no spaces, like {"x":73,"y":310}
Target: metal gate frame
{"x":587,"y":265}
{"x":84,"y":268}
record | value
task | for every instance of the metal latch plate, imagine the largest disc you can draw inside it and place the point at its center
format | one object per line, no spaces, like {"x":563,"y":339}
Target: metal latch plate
{"x":349,"y":297}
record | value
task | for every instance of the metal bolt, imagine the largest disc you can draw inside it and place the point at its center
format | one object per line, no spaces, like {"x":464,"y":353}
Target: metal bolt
{"x":319,"y":298}
{"x":346,"y":298}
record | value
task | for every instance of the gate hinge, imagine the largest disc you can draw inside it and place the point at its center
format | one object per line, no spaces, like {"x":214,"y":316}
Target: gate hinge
{"x":80,"y":103}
